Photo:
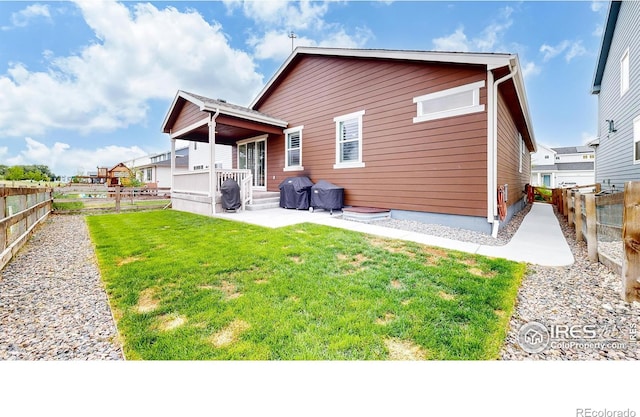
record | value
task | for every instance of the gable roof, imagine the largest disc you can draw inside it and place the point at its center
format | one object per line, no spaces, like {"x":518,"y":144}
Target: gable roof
{"x":573,"y":149}
{"x":214,"y":105}
{"x":490,"y":60}
{"x":607,"y":37}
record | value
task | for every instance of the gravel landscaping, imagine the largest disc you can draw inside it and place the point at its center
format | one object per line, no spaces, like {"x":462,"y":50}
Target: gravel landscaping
{"x":583,"y":294}
{"x":52,"y":303}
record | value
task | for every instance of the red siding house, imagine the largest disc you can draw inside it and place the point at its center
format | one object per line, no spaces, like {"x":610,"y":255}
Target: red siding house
{"x":432,"y":136}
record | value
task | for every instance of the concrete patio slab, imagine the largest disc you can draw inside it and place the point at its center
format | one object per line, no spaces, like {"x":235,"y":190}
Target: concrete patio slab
{"x":539,"y":240}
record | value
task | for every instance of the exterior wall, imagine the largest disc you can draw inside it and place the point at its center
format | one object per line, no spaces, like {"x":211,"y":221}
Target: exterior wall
{"x":189,"y":114}
{"x":436,"y":166}
{"x":544,"y":156}
{"x":614,"y":155}
{"x":509,"y":156}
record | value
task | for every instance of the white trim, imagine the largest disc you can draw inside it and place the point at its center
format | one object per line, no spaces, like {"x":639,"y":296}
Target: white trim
{"x":636,"y":138}
{"x":351,"y":164}
{"x":625,"y":70}
{"x":475,"y":107}
{"x":260,"y":138}
{"x":286,"y":132}
{"x":192,"y":126}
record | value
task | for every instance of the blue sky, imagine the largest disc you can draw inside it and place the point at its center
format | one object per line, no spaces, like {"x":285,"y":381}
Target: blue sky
{"x":84,"y":84}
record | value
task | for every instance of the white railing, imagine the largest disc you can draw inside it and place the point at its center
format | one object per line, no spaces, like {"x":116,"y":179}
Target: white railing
{"x":193,"y":182}
{"x":244,"y":179}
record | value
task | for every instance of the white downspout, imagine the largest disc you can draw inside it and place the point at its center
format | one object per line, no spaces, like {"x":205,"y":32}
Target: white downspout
{"x":212,"y":159}
{"x":493,"y":151}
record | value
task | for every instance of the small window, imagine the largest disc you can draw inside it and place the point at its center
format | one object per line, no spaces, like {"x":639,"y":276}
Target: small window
{"x":546,"y":157}
{"x":293,"y":149}
{"x":624,"y":72}
{"x":636,"y":140}
{"x":349,"y":140}
{"x":447,"y":103}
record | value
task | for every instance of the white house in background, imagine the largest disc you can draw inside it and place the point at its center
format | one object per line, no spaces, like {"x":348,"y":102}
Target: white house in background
{"x":563,"y":167}
{"x":156,"y":168}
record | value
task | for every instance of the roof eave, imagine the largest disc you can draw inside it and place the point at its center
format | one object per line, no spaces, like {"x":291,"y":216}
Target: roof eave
{"x":605,"y":45}
{"x":230,"y":111}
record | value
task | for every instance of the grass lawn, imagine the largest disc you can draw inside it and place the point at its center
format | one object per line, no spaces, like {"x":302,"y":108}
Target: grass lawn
{"x":184,"y":286}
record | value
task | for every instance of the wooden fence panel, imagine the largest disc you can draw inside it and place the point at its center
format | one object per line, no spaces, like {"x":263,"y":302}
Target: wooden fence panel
{"x":21,"y":210}
{"x":631,"y":239}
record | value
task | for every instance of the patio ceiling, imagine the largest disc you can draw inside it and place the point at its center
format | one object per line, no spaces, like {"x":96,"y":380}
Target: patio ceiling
{"x":188,"y":117}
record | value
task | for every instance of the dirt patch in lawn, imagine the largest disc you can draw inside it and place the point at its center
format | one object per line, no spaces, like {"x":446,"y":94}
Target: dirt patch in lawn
{"x":297,"y":259}
{"x":129,"y":260}
{"x":147,"y":301}
{"x":391,"y":246}
{"x":170,"y":322}
{"x":446,"y":296}
{"x":395,"y":284}
{"x":388,"y":318}
{"x":404,"y":350}
{"x":229,"y":334}
{"x":229,"y":289}
{"x":480,"y":273}
{"x":261,"y":281}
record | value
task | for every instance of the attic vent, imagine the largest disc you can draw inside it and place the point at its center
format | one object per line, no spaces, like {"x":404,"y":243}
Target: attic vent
{"x":221,"y":100}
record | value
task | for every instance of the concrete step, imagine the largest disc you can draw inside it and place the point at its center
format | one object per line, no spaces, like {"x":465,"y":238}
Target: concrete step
{"x":259,"y":205}
{"x":266,"y":200}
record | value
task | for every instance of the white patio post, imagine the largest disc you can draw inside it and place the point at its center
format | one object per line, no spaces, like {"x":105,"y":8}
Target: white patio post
{"x":212,"y":161}
{"x":173,"y":160}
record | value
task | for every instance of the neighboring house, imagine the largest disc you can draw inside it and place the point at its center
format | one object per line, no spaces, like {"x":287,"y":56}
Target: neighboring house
{"x":156,"y":168}
{"x":562,"y":167}
{"x":617,"y":84}
{"x":117,"y":173}
{"x":429,"y":135}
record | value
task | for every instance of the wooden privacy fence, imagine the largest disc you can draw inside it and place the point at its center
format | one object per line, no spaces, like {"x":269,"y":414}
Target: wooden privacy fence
{"x":21,"y":210}
{"x":609,"y":223}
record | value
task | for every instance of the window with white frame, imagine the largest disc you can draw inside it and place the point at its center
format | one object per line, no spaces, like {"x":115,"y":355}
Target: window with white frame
{"x":349,"y":140}
{"x":624,"y":72}
{"x":455,"y":101}
{"x":149,"y":175}
{"x":293,"y":149}
{"x":636,"y":140}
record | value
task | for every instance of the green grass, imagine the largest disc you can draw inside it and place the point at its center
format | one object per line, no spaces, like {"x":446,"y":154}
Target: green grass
{"x":71,"y":205}
{"x":303,"y":292}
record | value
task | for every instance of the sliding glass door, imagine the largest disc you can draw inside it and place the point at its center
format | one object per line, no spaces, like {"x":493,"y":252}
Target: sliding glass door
{"x":253,"y":156}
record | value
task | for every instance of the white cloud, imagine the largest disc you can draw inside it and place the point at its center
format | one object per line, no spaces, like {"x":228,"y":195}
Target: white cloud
{"x":62,"y":159}
{"x":25,"y":16}
{"x":489,"y":40}
{"x":294,"y":15}
{"x":566,"y":47}
{"x":457,"y":41}
{"x":530,"y":69}
{"x":598,"y":5}
{"x":140,"y":54}
{"x":276,"y":45}
{"x":305,"y":18}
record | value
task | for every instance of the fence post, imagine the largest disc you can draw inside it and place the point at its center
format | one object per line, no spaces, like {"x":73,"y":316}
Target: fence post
{"x":117,"y":199}
{"x":592,"y":238}
{"x":570,"y":204}
{"x":631,"y":241}
{"x":577,"y":215}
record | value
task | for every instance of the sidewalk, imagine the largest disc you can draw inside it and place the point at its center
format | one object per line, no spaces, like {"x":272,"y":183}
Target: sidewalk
{"x":539,"y":240}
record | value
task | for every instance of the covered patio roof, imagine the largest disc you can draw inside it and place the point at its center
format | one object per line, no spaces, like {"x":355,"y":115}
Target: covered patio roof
{"x":189,"y":115}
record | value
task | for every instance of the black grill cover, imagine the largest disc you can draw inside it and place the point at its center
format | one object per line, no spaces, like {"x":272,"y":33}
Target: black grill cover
{"x":327,"y":196}
{"x":230,"y":195}
{"x":294,"y":192}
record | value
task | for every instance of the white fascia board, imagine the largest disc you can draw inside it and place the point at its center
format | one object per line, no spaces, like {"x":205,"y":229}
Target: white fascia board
{"x":180,"y":94}
{"x":230,"y":111}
